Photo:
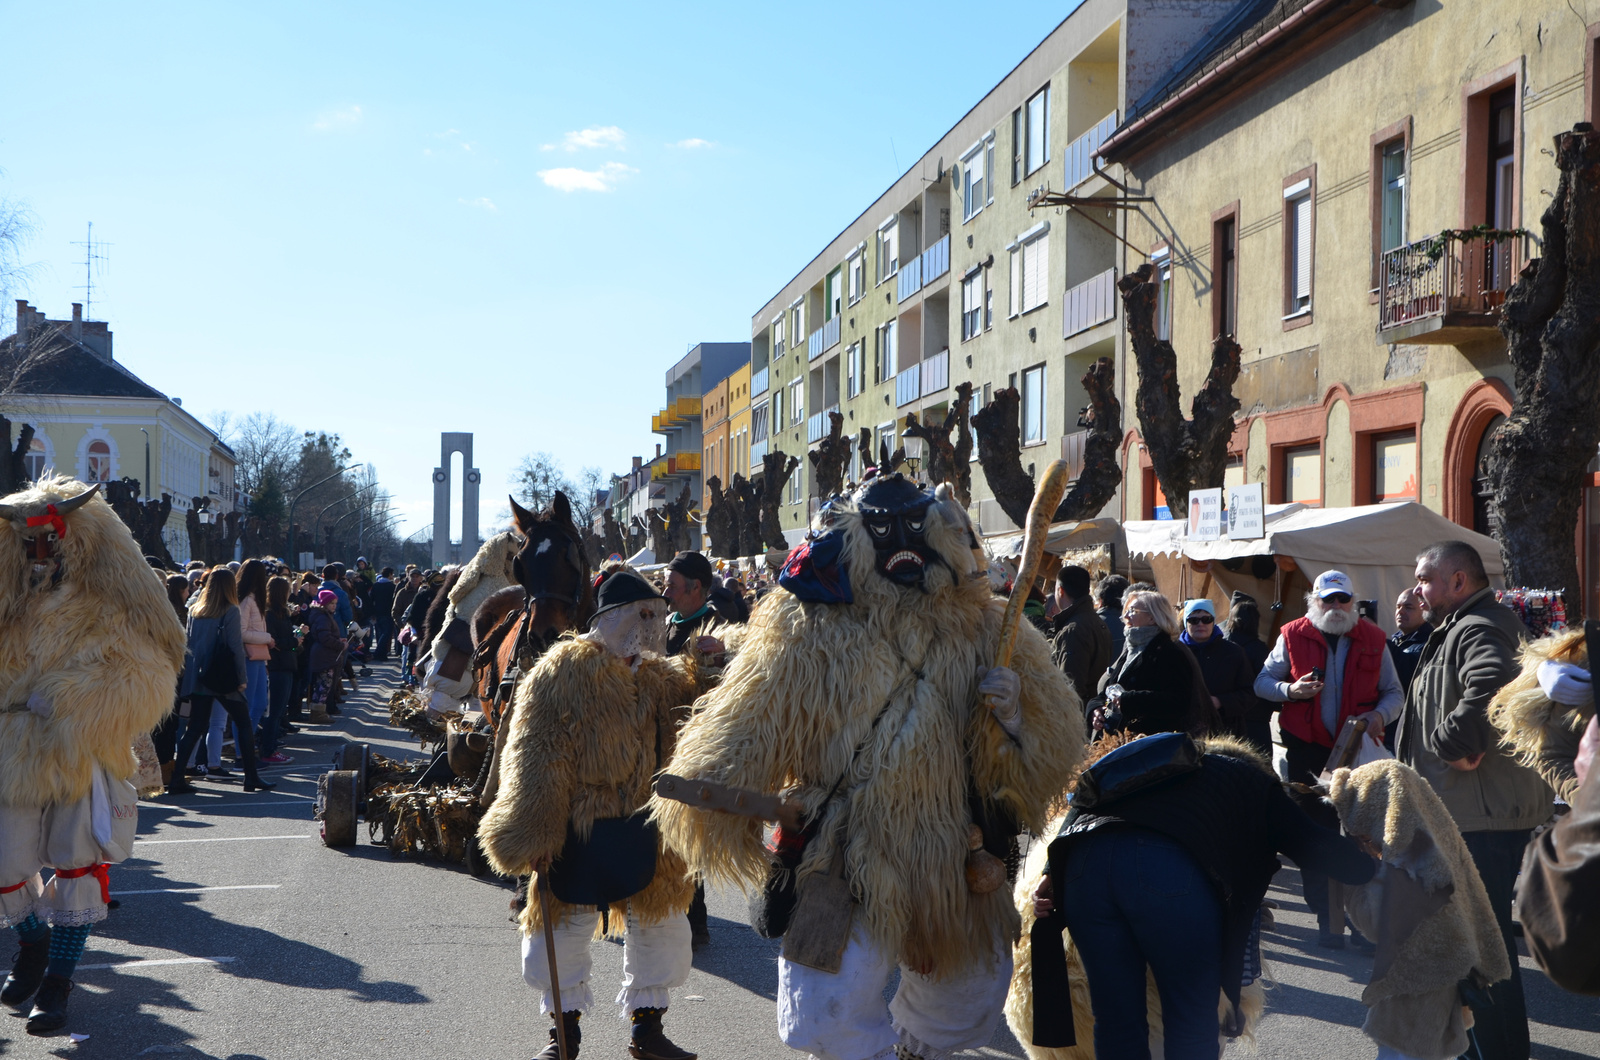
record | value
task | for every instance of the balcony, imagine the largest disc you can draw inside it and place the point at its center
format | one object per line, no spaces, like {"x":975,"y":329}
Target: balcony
{"x":908,"y":386}
{"x":823,"y":339}
{"x":1073,"y":448}
{"x":758,"y":382}
{"x":935,"y":373}
{"x":936,"y":261}
{"x":758,"y":452}
{"x":818,"y":425}
{"x":1080,"y":152}
{"x":1443,"y":290}
{"x":909,"y":280}
{"x":1090,"y":303}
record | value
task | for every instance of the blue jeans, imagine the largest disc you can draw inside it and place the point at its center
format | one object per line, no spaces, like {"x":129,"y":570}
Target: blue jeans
{"x":279,"y":684}
{"x":255,"y":695}
{"x":1132,"y":897}
{"x":1500,"y":1029}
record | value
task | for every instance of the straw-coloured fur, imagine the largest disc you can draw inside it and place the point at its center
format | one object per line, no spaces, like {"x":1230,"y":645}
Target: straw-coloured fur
{"x":802,"y":694}
{"x":582,"y":746}
{"x":103,"y":646}
{"x":1541,"y":733}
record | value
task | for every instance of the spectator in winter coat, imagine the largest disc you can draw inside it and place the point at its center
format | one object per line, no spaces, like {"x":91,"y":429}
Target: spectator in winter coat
{"x":1224,"y":665}
{"x":1080,"y":643}
{"x":1158,"y":680}
{"x":327,"y":650}
{"x":1108,"y":605}
{"x":280,"y":671}
{"x":380,"y":605}
{"x":1244,"y":629}
{"x":343,"y":613}
{"x":1410,"y":636}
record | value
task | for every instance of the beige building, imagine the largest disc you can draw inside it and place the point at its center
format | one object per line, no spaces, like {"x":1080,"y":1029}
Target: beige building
{"x":1313,"y":175}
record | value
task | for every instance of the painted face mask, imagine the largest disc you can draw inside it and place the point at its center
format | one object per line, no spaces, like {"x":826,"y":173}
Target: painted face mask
{"x":41,"y":535}
{"x":895,"y":512}
{"x":634,"y":629}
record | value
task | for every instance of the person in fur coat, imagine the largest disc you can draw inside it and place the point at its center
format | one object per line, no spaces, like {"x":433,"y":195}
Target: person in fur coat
{"x":593,"y":723}
{"x":89,"y":653}
{"x":859,"y":693}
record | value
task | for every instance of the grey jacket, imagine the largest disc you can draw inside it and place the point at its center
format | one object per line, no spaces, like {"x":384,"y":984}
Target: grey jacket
{"x":1466,"y":661}
{"x":203,"y":634}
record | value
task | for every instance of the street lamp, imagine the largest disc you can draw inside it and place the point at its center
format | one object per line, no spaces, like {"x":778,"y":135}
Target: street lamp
{"x":302,"y":493}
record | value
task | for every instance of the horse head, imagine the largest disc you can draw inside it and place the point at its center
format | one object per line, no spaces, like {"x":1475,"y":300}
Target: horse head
{"x":552,"y":567}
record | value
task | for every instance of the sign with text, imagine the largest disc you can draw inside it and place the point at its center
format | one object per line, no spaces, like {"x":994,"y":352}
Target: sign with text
{"x":1246,"y":519}
{"x":1205,"y":514}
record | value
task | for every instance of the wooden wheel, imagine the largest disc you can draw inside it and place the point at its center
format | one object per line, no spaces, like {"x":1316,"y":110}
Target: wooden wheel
{"x":339,"y":808}
{"x":354,"y":757}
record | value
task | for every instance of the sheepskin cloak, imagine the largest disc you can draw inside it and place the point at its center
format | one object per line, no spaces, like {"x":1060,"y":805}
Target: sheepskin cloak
{"x":1426,"y":908}
{"x":103,"y":647}
{"x":801,"y":695}
{"x":583,"y":745}
{"x":1543,"y":734}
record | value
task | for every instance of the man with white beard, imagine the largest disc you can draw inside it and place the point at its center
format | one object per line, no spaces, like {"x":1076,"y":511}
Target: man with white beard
{"x":1328,"y":667}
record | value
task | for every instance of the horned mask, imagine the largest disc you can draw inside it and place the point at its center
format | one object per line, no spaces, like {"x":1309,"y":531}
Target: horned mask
{"x":41,"y":532}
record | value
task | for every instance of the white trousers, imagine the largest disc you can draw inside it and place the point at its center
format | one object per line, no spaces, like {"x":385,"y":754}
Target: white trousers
{"x":654,"y":960}
{"x":842,"y":1016}
{"x":58,"y":836}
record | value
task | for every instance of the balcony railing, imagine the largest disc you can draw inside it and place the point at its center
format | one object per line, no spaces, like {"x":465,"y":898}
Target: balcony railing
{"x":1092,"y":302}
{"x":758,"y":451}
{"x":1080,"y":152}
{"x":758,"y":382}
{"x":936,"y":372}
{"x":909,"y":281}
{"x":908,"y":385}
{"x":1446,"y":276}
{"x":818,"y":425}
{"x":823,"y":339}
{"x":936,"y":261}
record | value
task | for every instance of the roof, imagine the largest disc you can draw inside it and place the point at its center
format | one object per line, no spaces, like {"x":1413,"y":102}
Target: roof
{"x":1248,"y":20}
{"x":54,"y":364}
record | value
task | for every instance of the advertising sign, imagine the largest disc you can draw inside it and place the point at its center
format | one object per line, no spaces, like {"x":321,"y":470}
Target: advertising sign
{"x":1246,"y":521}
{"x":1205,"y":514}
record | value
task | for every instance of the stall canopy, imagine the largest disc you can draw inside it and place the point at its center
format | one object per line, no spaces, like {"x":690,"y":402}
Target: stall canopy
{"x":1375,"y":544}
{"x":1063,"y":537}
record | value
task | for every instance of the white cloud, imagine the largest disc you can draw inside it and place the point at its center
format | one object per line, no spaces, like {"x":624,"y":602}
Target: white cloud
{"x":572,"y":179}
{"x":692,"y":143}
{"x":337,"y":119}
{"x":596,"y":136}
{"x":482,"y":202}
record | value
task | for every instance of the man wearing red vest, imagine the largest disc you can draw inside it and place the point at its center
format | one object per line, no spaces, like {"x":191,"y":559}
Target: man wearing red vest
{"x":1327,"y":667}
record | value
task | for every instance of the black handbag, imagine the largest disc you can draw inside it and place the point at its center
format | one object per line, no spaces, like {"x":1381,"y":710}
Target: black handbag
{"x":616,"y":862}
{"x":221,"y":674}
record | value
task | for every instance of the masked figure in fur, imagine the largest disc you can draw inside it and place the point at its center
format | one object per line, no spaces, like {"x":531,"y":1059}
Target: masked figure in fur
{"x":865,"y":695}
{"x":592,"y":724}
{"x":89,"y":653}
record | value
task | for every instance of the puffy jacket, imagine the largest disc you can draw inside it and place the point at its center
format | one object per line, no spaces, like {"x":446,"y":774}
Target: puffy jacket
{"x":1228,"y":676}
{"x":253,"y":630}
{"x":325,"y":638}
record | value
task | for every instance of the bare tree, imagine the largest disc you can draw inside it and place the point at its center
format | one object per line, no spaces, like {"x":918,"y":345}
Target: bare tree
{"x":17,"y":226}
{"x":537,"y":478}
{"x":746,"y":499}
{"x":776,"y":467}
{"x":722,"y":523}
{"x":830,"y":459}
{"x":945,"y":461}
{"x":1537,"y":461}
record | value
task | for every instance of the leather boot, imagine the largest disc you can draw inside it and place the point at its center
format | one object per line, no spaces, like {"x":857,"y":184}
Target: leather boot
{"x":166,"y":772}
{"x":574,"y":1036}
{"x":50,"y":1005}
{"x":649,"y":1043}
{"x":27,"y":972}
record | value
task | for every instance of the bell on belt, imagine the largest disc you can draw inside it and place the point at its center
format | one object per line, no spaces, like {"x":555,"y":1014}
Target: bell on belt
{"x":985,"y":872}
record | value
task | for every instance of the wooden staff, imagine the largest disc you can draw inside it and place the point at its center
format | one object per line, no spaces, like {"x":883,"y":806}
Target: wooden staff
{"x":1046,"y":499}
{"x":550,"y":951}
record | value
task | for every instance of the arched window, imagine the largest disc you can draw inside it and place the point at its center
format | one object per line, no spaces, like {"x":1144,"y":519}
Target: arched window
{"x":99,"y":462}
{"x":37,"y":459}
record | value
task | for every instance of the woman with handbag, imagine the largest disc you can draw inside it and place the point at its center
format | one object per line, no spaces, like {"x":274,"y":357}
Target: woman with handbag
{"x":281,"y":667}
{"x":214,"y":674}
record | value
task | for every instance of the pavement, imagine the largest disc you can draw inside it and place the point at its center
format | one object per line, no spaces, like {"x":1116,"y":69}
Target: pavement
{"x":241,"y":936}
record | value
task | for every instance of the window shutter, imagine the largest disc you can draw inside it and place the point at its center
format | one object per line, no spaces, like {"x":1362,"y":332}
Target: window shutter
{"x":1302,"y":248}
{"x":1016,"y":281}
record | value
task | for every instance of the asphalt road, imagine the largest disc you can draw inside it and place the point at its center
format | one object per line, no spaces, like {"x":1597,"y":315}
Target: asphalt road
{"x":241,"y":936}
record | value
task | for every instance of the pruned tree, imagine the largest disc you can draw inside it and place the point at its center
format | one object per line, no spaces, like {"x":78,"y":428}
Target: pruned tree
{"x":864,"y":445}
{"x":1185,"y":453}
{"x":213,"y":542}
{"x":614,"y":544}
{"x":1000,"y":450}
{"x":943,"y":460}
{"x":13,"y":462}
{"x":747,"y":502}
{"x":776,"y":467}
{"x":1537,"y":461}
{"x":677,"y":516}
{"x":830,"y":460}
{"x":144,"y":519}
{"x":721,"y":523}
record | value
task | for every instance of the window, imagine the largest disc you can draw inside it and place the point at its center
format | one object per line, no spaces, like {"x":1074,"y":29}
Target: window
{"x":886,"y":354}
{"x":831,"y":291}
{"x":1302,"y":475}
{"x":852,"y":368}
{"x":858,"y":274}
{"x":777,"y":410}
{"x":1016,"y":147}
{"x":36,"y":460}
{"x":1394,"y":467}
{"x":972,"y":182}
{"x":1030,"y":270}
{"x":1036,"y":115}
{"x":888,"y":248}
{"x":1162,"y":260}
{"x":794,"y":485}
{"x":777,"y":335}
{"x":973,"y":297}
{"x":1033,"y":406}
{"x":1502,"y":182}
{"x":1225,"y":273}
{"x":797,"y":321}
{"x":1392,"y":208}
{"x":1298,"y":244}
{"x":758,"y":424}
{"x":99,"y":462}
{"x":797,"y":402}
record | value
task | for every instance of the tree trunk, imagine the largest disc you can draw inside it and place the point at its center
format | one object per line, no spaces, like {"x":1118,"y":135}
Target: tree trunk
{"x":776,"y":467}
{"x":748,"y":504}
{"x":963,"y":448}
{"x":830,"y":459}
{"x":13,"y":464}
{"x":1000,"y":454}
{"x":942,"y":461}
{"x":1537,"y":461}
{"x":721,"y":525}
{"x":1186,"y":454}
{"x":614,"y":544}
{"x":864,"y":445}
{"x":144,"y":519}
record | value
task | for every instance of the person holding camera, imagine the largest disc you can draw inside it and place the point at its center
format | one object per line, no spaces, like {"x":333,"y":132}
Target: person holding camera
{"x":1326,"y":668}
{"x":1154,"y":685}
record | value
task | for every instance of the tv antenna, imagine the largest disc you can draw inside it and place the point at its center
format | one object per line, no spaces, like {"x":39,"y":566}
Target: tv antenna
{"x":94,"y":260}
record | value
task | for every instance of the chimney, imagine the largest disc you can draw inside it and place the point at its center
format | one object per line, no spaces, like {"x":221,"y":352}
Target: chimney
{"x":638,"y":461}
{"x":658,"y":450}
{"x":77,"y":321}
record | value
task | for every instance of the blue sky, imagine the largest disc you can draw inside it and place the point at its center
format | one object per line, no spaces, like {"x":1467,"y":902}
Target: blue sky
{"x":391,"y":220}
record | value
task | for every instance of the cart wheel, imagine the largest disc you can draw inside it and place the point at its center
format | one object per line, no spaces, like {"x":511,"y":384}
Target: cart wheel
{"x":474,"y":860}
{"x":339,"y":812}
{"x":353,"y":756}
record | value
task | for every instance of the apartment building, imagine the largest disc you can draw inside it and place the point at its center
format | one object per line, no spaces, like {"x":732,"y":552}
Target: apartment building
{"x":681,"y":422}
{"x":948,"y":276}
{"x":1315,"y":167}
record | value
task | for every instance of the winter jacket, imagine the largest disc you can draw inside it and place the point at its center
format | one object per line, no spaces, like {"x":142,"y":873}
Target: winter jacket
{"x":380,"y":598}
{"x":1228,"y":676}
{"x":1255,"y":651}
{"x":1112,"y":617}
{"x":1465,"y":662}
{"x":1158,"y":686}
{"x":402,"y":600}
{"x":1356,"y":658}
{"x":343,"y":613}
{"x":327,"y":643}
{"x":1558,"y":895}
{"x":253,"y":630}
{"x":1080,"y":646}
{"x":285,"y":644}
{"x":203,"y":634}
{"x":417,"y":614}
{"x":1406,"y":651}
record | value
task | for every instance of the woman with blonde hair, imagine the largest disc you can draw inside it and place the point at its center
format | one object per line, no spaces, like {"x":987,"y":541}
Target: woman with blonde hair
{"x":214,"y":675}
{"x":1154,"y":685}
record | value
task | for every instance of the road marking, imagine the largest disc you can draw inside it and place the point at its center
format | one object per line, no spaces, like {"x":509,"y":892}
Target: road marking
{"x":218,"y":839}
{"x":196,"y":890}
{"x":138,"y":963}
{"x":231,"y":805}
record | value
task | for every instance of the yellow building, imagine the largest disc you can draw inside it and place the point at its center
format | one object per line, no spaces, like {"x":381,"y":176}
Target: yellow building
{"x":714,"y":434}
{"x":738,"y":459}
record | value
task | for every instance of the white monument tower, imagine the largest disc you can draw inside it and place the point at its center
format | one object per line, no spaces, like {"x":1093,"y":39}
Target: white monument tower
{"x":443,"y":550}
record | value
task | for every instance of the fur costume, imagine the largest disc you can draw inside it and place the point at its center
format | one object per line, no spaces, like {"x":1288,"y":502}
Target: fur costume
{"x":1427,"y":909}
{"x":803,"y":691}
{"x":487,"y":573}
{"x":583,"y":745}
{"x":1541,"y":733}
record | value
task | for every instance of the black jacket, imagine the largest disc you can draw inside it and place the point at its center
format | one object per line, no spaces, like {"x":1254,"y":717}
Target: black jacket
{"x":1158,"y":686}
{"x":1256,"y":651}
{"x":284,"y":643}
{"x":1080,"y":646}
{"x":1112,"y":617}
{"x":1228,"y":676}
{"x":417,"y":614}
{"x":1406,"y":651}
{"x":380,"y":598}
